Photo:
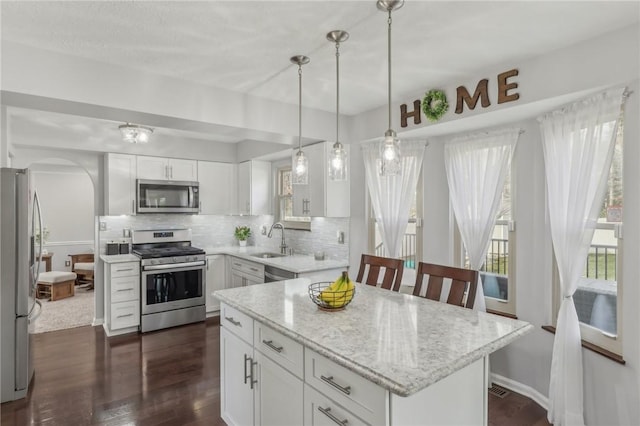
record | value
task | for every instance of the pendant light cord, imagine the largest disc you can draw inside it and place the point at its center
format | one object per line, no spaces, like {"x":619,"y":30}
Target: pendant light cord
{"x":337,"y":92}
{"x":299,"y":108}
{"x":389,"y":65}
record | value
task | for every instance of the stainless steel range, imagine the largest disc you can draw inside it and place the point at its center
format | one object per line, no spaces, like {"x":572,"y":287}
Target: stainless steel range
{"x":173,"y":278}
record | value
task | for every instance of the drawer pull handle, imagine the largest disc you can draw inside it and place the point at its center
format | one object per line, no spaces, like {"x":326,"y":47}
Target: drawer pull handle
{"x":124,"y":316}
{"x":327,"y":412}
{"x":254,"y":269}
{"x":272,"y":346}
{"x":125,"y":289}
{"x":237,"y":264}
{"x":346,"y":390}
{"x":234,"y":322}
{"x":123,"y":270}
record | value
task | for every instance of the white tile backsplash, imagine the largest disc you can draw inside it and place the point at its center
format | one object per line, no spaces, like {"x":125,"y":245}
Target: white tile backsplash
{"x":217,"y":231}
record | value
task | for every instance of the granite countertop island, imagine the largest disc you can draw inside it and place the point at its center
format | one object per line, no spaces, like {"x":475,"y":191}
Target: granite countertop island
{"x":401,"y":342}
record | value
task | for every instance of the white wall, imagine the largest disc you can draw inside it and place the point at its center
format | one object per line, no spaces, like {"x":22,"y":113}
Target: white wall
{"x":66,"y":197}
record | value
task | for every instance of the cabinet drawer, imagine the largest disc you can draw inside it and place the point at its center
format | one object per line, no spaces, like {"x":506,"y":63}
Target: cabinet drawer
{"x":125,"y":314}
{"x":125,"y":288}
{"x":126,"y":269}
{"x":364,"y":398}
{"x":322,"y":411}
{"x":236,"y":322}
{"x":251,"y":268}
{"x":280,"y":348}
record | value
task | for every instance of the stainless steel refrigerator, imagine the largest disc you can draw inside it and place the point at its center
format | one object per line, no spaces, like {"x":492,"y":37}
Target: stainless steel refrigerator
{"x":20,"y":218}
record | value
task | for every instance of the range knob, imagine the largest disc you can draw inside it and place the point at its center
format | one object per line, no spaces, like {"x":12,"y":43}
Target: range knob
{"x":153,"y":262}
{"x":175,"y":259}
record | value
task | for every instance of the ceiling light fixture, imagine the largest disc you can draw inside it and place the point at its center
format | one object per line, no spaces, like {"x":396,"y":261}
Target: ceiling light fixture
{"x":390,"y":146}
{"x":134,"y":133}
{"x":300,"y":163}
{"x":338,"y":155}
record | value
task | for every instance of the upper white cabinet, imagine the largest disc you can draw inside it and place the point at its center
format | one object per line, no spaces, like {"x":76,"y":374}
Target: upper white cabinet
{"x":254,"y":187}
{"x":159,"y":168}
{"x":120,"y":184}
{"x":321,"y":197}
{"x":218,"y":183}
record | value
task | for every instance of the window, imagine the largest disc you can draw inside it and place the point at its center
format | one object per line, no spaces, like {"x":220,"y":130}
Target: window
{"x":598,"y":296}
{"x":411,"y":249}
{"x":285,"y":202}
{"x":498,"y":271}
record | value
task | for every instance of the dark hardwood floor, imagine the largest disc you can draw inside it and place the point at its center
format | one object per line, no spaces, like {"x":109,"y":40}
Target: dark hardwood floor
{"x":168,"y":377}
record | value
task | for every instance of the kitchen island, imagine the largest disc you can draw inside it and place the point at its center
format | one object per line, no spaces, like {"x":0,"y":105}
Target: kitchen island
{"x":388,"y":358}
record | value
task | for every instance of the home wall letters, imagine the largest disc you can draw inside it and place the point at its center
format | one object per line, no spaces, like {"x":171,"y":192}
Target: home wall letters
{"x":463,"y":97}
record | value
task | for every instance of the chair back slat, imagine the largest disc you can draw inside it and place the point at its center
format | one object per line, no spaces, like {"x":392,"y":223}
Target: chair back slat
{"x":392,"y":275}
{"x":463,"y":281}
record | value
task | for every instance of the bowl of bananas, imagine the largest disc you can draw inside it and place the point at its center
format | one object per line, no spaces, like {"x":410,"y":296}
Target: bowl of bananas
{"x":333,"y":296}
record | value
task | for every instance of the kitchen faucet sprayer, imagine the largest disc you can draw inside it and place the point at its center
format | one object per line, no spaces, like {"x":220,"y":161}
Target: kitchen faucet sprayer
{"x":283,"y":245}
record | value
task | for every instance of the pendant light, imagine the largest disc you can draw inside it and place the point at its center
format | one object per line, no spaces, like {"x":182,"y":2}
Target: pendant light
{"x":300,"y":165}
{"x":390,"y":146}
{"x":338,"y":155}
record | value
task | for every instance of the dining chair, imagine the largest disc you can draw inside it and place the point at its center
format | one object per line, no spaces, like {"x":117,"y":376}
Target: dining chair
{"x":463,"y":281}
{"x":372,"y":266}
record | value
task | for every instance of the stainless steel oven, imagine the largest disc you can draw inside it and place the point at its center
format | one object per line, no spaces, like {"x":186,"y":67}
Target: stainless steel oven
{"x":173,"y":278}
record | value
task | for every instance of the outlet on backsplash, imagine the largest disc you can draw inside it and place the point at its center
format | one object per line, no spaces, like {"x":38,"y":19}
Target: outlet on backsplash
{"x":340,"y":237}
{"x":263,"y":229}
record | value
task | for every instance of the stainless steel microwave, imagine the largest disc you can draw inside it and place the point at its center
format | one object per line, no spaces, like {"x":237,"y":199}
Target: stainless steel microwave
{"x":167,"y":196}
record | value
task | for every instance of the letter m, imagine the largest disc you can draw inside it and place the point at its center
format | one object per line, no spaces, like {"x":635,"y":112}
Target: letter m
{"x":480,"y":93}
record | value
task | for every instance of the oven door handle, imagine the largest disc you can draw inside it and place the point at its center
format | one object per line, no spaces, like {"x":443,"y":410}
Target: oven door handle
{"x":172,"y":266}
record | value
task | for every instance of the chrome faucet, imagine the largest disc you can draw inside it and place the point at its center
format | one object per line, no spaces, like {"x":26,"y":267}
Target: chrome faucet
{"x":283,"y":245}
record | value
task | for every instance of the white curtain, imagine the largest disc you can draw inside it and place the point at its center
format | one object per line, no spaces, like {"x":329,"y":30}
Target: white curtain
{"x":391,"y":195}
{"x":578,"y":143}
{"x":477,"y":166}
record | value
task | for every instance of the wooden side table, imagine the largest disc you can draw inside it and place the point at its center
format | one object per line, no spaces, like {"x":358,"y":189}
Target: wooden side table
{"x":46,"y":258}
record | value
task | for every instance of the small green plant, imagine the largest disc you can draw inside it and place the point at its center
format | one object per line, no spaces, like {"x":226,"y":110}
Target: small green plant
{"x":242,"y":233}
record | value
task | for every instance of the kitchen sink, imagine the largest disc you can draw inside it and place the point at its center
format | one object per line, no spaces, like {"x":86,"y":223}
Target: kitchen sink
{"x":268,"y":255}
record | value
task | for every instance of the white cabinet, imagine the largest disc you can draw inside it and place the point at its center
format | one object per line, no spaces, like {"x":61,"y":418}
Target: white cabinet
{"x":215,"y":279}
{"x":254,"y":188}
{"x":236,"y":400}
{"x":122,"y":297}
{"x":120,"y":184}
{"x":245,"y":272}
{"x":321,"y":197}
{"x":218,"y":187}
{"x":255,"y":388}
{"x":159,"y":168}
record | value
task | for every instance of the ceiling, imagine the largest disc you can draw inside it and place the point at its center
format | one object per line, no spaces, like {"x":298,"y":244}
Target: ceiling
{"x":245,"y":46}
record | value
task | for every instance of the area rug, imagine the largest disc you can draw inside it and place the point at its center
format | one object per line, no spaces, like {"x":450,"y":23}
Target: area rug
{"x":66,"y":313}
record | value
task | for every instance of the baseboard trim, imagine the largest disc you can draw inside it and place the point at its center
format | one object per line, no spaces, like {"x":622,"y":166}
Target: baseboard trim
{"x":97,"y":321}
{"x":518,"y":387}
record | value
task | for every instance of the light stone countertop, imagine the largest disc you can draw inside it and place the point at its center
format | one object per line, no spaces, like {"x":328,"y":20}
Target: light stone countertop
{"x":398,"y":341}
{"x":119,"y":258}
{"x":298,"y":263}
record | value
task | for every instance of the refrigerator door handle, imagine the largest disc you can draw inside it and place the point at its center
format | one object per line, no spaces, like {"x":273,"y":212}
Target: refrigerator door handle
{"x":36,"y":204}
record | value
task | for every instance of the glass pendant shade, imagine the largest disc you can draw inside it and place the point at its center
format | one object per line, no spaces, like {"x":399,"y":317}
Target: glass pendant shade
{"x":390,"y":155}
{"x":133,"y":133}
{"x":338,"y":163}
{"x":300,"y":169}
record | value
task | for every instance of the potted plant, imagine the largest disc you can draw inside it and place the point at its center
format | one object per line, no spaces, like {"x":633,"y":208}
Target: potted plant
{"x":242,"y":233}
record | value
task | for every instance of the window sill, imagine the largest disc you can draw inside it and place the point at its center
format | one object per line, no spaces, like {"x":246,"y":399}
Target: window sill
{"x":502,"y":314}
{"x":595,"y":348}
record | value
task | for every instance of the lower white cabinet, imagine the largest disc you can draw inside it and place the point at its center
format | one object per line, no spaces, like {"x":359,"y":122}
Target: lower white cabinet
{"x":255,"y":389}
{"x":245,"y":272}
{"x":216,"y":278}
{"x":122,"y":297}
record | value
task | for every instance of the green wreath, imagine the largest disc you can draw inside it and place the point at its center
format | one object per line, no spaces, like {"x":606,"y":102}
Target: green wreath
{"x":434,"y":104}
